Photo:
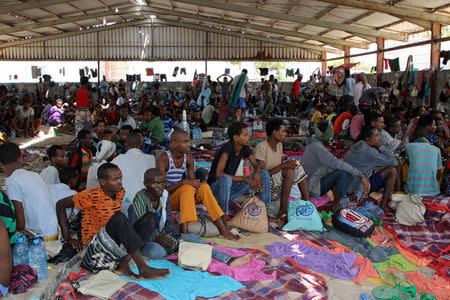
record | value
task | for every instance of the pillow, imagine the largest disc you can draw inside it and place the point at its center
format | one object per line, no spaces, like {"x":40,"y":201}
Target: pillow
{"x":303,"y":215}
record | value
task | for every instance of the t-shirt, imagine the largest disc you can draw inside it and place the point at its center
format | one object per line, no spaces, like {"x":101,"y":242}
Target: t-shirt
{"x":356,"y":125}
{"x":50,"y":175}
{"x":24,"y":114}
{"x":8,"y":216}
{"x":266,"y":154}
{"x":424,"y":162}
{"x":225,"y":89}
{"x":233,"y":160}
{"x":368,"y":95}
{"x":129,"y":121}
{"x":349,"y":84}
{"x":97,"y":208}
{"x":207,"y":113}
{"x":156,"y":127}
{"x":168,"y":123}
{"x":337,"y":126}
{"x":357,"y":91}
{"x":236,"y":81}
{"x":388,"y":141}
{"x":39,"y":211}
{"x":60,"y":191}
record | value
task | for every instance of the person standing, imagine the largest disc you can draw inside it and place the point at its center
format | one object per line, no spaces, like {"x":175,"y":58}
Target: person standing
{"x":239,"y":95}
{"x":349,"y":83}
{"x":84,"y":103}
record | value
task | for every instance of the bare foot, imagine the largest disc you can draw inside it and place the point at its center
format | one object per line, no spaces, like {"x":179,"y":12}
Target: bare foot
{"x":388,"y":210}
{"x":241,"y":260}
{"x":277,"y":221}
{"x":146,"y":272}
{"x":228,"y":235}
{"x":124,"y":269}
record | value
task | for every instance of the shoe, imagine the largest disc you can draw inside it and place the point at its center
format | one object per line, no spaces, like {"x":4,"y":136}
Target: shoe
{"x":66,"y":253}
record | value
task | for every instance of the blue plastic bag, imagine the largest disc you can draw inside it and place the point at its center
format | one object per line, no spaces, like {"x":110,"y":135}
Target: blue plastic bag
{"x":303,"y":215}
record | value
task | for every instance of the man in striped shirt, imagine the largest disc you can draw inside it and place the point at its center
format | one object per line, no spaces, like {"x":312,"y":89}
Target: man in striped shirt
{"x":425,"y":164}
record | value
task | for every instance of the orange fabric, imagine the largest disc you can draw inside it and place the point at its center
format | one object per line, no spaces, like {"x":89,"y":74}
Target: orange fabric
{"x":97,"y":208}
{"x":380,"y":239}
{"x":418,"y":261}
{"x":337,"y":126}
{"x":437,"y":286}
{"x":185,"y":198}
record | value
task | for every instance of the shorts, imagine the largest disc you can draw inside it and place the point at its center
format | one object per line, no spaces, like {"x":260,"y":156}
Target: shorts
{"x":241,"y":103}
{"x":376,"y":182}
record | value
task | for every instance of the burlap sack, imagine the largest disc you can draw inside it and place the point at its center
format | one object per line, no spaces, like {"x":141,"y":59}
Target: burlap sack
{"x":252,"y":216}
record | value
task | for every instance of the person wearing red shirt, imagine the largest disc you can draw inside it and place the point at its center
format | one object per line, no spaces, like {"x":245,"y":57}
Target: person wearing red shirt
{"x":84,"y":103}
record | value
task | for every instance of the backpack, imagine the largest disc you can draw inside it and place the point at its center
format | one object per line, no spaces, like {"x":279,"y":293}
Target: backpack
{"x":352,"y":222}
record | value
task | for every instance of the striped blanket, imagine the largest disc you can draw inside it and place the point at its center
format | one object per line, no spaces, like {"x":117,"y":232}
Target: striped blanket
{"x":430,"y":240}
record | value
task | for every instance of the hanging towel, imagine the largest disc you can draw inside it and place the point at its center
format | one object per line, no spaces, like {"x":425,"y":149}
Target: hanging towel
{"x":149,"y":71}
{"x":289,"y":72}
{"x":183,"y":71}
{"x":394,"y":64}
{"x":227,"y":70}
{"x":175,"y":71}
{"x":263,"y":71}
{"x":373,"y":70}
{"x":386,"y":64}
{"x":163,"y":77}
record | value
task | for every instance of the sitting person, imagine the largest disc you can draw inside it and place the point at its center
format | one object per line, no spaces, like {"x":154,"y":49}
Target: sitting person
{"x":186,"y":192}
{"x":6,"y":260}
{"x":425,"y":163}
{"x":61,"y":195}
{"x":106,"y":152}
{"x":124,"y":132}
{"x":125,"y":119}
{"x":269,"y":155}
{"x":29,"y":194}
{"x":388,"y":136}
{"x":58,"y":160}
{"x":317,"y":162}
{"x":224,"y":183}
{"x":25,"y":117}
{"x":9,"y":118}
{"x":153,"y":126}
{"x":152,"y":203}
{"x":110,"y":239}
{"x":367,"y":154}
{"x":133,"y":165}
{"x":81,"y":158}
{"x":99,"y":132}
{"x":56,"y":114}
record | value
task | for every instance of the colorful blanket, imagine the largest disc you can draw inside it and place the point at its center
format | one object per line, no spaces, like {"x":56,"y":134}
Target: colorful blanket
{"x":430,"y":240}
{"x":293,"y":282}
{"x":295,"y":236}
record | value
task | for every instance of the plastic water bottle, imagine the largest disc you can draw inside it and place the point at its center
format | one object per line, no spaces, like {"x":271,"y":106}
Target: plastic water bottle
{"x":366,"y":296}
{"x":374,"y":209}
{"x":184,"y":123}
{"x":345,"y":201}
{"x":197,"y":133}
{"x":13,"y":135}
{"x":254,"y":112}
{"x":20,"y":251}
{"x":249,"y":128}
{"x":38,"y":257}
{"x":284,"y":114}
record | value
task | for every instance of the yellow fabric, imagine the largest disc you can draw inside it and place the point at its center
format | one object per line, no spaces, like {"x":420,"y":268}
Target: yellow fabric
{"x":185,"y":198}
{"x":51,"y":238}
{"x":317,"y":117}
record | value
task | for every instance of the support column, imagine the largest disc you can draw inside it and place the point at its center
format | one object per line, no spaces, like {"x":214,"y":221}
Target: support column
{"x":346,"y":54}
{"x":380,"y":59}
{"x":324,"y":63}
{"x":434,"y":61}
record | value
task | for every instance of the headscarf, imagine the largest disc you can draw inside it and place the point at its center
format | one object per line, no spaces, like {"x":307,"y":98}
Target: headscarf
{"x":104,"y":150}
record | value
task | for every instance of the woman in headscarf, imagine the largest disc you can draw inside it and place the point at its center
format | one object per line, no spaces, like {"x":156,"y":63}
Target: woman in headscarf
{"x":105,"y":153}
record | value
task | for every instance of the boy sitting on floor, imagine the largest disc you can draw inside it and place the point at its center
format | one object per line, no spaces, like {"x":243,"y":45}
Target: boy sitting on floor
{"x":365,"y":156}
{"x":162,"y":238}
{"x":224,"y":184}
{"x":58,"y":159}
{"x":269,"y":154}
{"x":110,"y":240}
{"x":177,"y":164}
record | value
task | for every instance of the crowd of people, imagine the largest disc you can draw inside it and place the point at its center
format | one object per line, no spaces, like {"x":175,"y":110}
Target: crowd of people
{"x":113,"y":189}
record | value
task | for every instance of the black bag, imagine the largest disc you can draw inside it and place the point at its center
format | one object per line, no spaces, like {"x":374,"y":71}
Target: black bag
{"x":352,"y":222}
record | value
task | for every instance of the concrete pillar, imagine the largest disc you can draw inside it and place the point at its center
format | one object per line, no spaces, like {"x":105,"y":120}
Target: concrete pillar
{"x":324,"y":63}
{"x":346,"y":54}
{"x":434,"y":61}
{"x":380,"y":59}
